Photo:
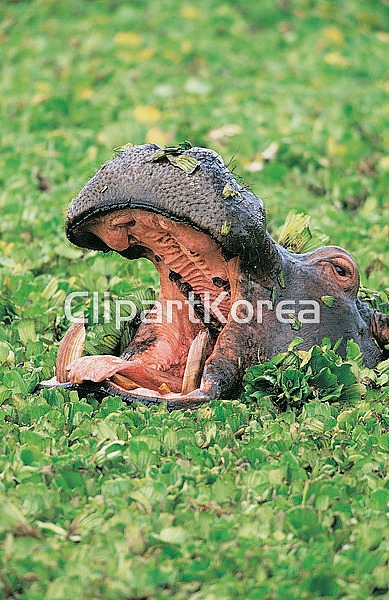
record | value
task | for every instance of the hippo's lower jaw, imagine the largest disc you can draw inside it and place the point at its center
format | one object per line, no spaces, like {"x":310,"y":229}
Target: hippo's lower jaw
{"x":106,"y":388}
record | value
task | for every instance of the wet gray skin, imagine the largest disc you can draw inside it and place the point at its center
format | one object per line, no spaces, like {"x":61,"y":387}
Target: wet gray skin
{"x":206,"y":197}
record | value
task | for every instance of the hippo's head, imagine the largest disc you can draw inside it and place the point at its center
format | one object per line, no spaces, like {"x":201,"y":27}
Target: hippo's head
{"x":232,"y":292}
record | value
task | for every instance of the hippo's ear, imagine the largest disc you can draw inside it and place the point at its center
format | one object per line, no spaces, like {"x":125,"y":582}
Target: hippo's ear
{"x":379,"y":327}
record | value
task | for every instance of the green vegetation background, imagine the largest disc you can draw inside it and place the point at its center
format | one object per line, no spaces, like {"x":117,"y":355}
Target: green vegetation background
{"x":234,"y":500}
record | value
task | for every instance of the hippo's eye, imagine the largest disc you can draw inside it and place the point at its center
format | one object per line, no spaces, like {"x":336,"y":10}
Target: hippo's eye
{"x":343,"y":266}
{"x":340,"y":271}
{"x":345,"y":272}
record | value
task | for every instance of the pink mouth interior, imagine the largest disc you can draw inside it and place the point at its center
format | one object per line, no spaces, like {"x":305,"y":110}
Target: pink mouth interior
{"x":188,"y":263}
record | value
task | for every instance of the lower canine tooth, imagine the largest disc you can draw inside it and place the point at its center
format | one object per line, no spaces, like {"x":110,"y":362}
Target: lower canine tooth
{"x":195,"y":363}
{"x":70,"y":348}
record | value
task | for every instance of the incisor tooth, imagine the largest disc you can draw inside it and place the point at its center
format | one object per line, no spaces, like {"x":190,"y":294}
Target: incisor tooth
{"x":70,"y":348}
{"x":195,"y":363}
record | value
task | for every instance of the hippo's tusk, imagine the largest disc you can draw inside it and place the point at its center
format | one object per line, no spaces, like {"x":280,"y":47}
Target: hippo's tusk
{"x":195,"y":362}
{"x":379,"y":327}
{"x":70,"y":348}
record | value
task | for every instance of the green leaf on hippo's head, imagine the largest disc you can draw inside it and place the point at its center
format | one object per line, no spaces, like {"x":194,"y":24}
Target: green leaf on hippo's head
{"x":295,"y":324}
{"x":274,"y":297}
{"x":188,"y":164}
{"x":281,"y":279}
{"x":120,"y":149}
{"x":175,"y":155}
{"x":328,"y":300}
{"x":185,"y":145}
{"x":226,"y":228}
{"x":229,"y":192}
{"x":160,"y":153}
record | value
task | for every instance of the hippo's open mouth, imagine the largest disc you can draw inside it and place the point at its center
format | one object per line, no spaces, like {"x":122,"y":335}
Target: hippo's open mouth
{"x":196,"y":283}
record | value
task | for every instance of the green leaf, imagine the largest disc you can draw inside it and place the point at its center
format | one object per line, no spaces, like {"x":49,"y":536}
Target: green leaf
{"x":26,"y":330}
{"x":328,"y":300}
{"x":13,"y":520}
{"x":120,"y":149}
{"x":325,"y":379}
{"x":295,"y":343}
{"x":226,"y":228}
{"x":303,"y":522}
{"x":7,"y":356}
{"x":112,"y":451}
{"x":354,"y":353}
{"x":295,"y":324}
{"x":173,"y":535}
{"x":157,"y":155}
{"x":229,"y":192}
{"x":188,"y":164}
{"x":296,"y":235}
{"x":175,"y":155}
{"x":281,"y":279}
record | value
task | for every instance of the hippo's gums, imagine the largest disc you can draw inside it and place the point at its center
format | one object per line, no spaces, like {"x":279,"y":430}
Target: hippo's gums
{"x":234,"y":295}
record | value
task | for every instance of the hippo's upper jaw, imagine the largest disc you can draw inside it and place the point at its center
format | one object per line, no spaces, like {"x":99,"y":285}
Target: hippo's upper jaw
{"x":202,"y":194}
{"x":221,"y":280}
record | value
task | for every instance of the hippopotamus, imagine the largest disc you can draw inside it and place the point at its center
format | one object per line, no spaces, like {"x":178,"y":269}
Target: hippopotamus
{"x":235,"y":296}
